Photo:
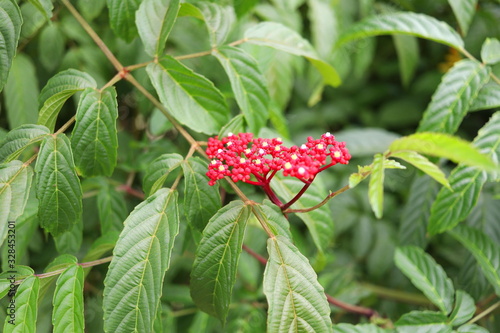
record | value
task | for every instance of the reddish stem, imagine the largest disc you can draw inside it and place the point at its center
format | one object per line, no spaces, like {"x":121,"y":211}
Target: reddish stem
{"x":271,"y":195}
{"x":297,"y":196}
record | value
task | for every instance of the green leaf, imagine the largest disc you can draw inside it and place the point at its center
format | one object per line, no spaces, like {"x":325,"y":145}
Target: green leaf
{"x":248,"y":85}
{"x":68,"y":301}
{"x":58,"y":89}
{"x":19,"y":139}
{"x":51,"y":46}
{"x":319,"y":221}
{"x":21,"y":91}
{"x":366,"y":141}
{"x":191,"y":98}
{"x":122,"y":17}
{"x":235,"y":125}
{"x":488,"y":97}
{"x":201,"y":201}
{"x":218,"y":19}
{"x":188,"y":9}
{"x":282,"y":38}
{"x":70,"y":241}
{"x":464,"y":309}
{"x":154,"y":21}
{"x":324,"y":26}
{"x":404,"y":23}
{"x":359,"y":328}
{"x":112,"y":209}
{"x":94,"y":138}
{"x":376,"y":185}
{"x":443,"y":145}
{"x":133,"y":284}
{"x":472,"y":328}
{"x":408,"y":56}
{"x":44,"y":6}
{"x":423,"y":321}
{"x":275,"y":219}
{"x":158,"y":171}
{"x":26,"y":300}
{"x":426,"y":275}
{"x":15,"y":183}
{"x":454,"y":205}
{"x":486,"y":252}
{"x":423,"y":164}
{"x":490,"y":51}
{"x":297,"y":302}
{"x":454,"y":96}
{"x":464,"y":11}
{"x":216,"y":261}
{"x":90,"y":9}
{"x":10,"y":29}
{"x":57,"y":186}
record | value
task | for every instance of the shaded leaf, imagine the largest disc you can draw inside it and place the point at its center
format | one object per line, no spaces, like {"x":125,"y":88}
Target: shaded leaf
{"x":423,"y":321}
{"x":408,"y":56}
{"x":158,"y":171}
{"x":359,"y":328}
{"x":51,"y":46}
{"x":423,"y":164}
{"x":376,"y":185}
{"x":19,"y":139}
{"x":366,"y":141}
{"x":70,"y":241}
{"x":122,"y":17}
{"x":490,"y":51}
{"x":275,"y":219}
{"x":68,"y":301}
{"x":112,"y":209}
{"x":26,"y":300}
{"x":464,"y":11}
{"x":488,"y":97}
{"x":44,"y":6}
{"x":218,"y":19}
{"x":472,"y":328}
{"x":10,"y":29}
{"x":464,"y":309}
{"x":235,"y":125}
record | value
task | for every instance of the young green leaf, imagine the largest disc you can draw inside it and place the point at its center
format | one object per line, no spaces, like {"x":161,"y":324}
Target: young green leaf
{"x":154,"y":20}
{"x":201,"y":201}
{"x":190,"y":97}
{"x":57,"y":186}
{"x":486,"y":252}
{"x":133,"y":284}
{"x":58,"y":89}
{"x":453,"y":97}
{"x":94,"y":139}
{"x":464,"y":309}
{"x":297,"y":302}
{"x":423,"y":164}
{"x":454,"y":205}
{"x":15,"y":183}
{"x":19,"y":139}
{"x":488,"y":97}
{"x":122,"y":17}
{"x":443,"y":145}
{"x":112,"y":209}
{"x":282,"y":38}
{"x":21,"y":90}
{"x":68,"y":301}
{"x":248,"y":85}
{"x":158,"y":171}
{"x":426,"y":275}
{"x":490,"y":51}
{"x":423,"y":321}
{"x":464,"y":11}
{"x":376,"y":185}
{"x":10,"y":29}
{"x":218,"y":19}
{"x":216,"y":260}
{"x":26,"y":300}
{"x":406,"y":24}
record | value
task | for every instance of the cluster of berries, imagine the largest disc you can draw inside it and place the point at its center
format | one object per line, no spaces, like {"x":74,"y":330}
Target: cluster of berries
{"x":240,"y":156}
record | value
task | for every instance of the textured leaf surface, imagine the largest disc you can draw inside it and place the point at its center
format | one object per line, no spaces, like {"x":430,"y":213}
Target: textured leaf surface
{"x":201,"y":201}
{"x":280,"y":37}
{"x":426,"y":275}
{"x":464,"y":11}
{"x":275,"y":219}
{"x":297,"y":302}
{"x":44,"y":6}
{"x":454,"y":205}
{"x":404,"y":23}
{"x":423,"y":164}
{"x":154,"y":21}
{"x":487,"y":98}
{"x":248,"y":85}
{"x":57,"y":186}
{"x":319,"y":221}
{"x":10,"y":29}
{"x":486,"y":252}
{"x":454,"y":96}
{"x":216,"y":261}
{"x":51,"y":46}
{"x":464,"y":309}
{"x":190,"y":97}
{"x":122,"y":17}
{"x":423,"y":321}
{"x":112,"y":209}
{"x":20,"y":138}
{"x":359,"y":328}
{"x":94,"y":138}
{"x":57,"y":90}
{"x":67,"y":315}
{"x":158,"y":171}
{"x":472,"y":328}
{"x":26,"y":299}
{"x":490,"y":51}
{"x":133,"y":284}
{"x":376,"y":186}
{"x":218,"y":19}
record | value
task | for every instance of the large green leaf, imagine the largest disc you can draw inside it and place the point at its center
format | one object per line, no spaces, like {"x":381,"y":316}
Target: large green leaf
{"x":10,"y":29}
{"x":319,"y":221}
{"x":15,"y":183}
{"x":21,"y":91}
{"x":406,"y":24}
{"x":359,"y":328}
{"x":464,"y":11}
{"x":423,"y":164}
{"x":190,"y":97}
{"x":94,"y":138}
{"x":154,"y":21}
{"x":58,"y":89}
{"x":443,"y":145}
{"x":26,"y":302}
{"x":297,"y":302}
{"x":70,"y":241}
{"x":464,"y":309}
{"x":57,"y":186}
{"x":488,"y":97}
{"x":282,"y":38}
{"x":158,"y":171}
{"x":454,"y":96}
{"x":218,"y":19}
{"x":133,"y":284}
{"x":112,"y":209}
{"x":376,"y":185}
{"x":19,"y":139}
{"x":454,"y":205}
{"x":472,"y":328}
{"x":44,"y":6}
{"x":324,"y":26}
{"x":423,"y":321}
{"x":216,"y":261}
{"x":486,"y":252}
{"x":408,"y":56}
{"x":122,"y":17}
{"x":67,"y":315}
{"x":426,"y":275}
{"x":490,"y":51}
{"x":248,"y":85}
{"x":51,"y":46}
{"x":275,"y":219}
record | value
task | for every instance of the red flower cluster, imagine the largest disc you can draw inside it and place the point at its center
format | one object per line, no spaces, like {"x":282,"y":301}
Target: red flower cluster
{"x":240,"y":156}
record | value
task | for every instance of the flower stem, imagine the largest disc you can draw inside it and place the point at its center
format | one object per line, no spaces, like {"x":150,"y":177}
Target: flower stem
{"x":297,"y":196}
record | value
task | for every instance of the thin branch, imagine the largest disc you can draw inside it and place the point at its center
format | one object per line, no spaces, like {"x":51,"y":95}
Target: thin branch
{"x":325,"y":200}
{"x":485,"y":313}
{"x":194,"y":55}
